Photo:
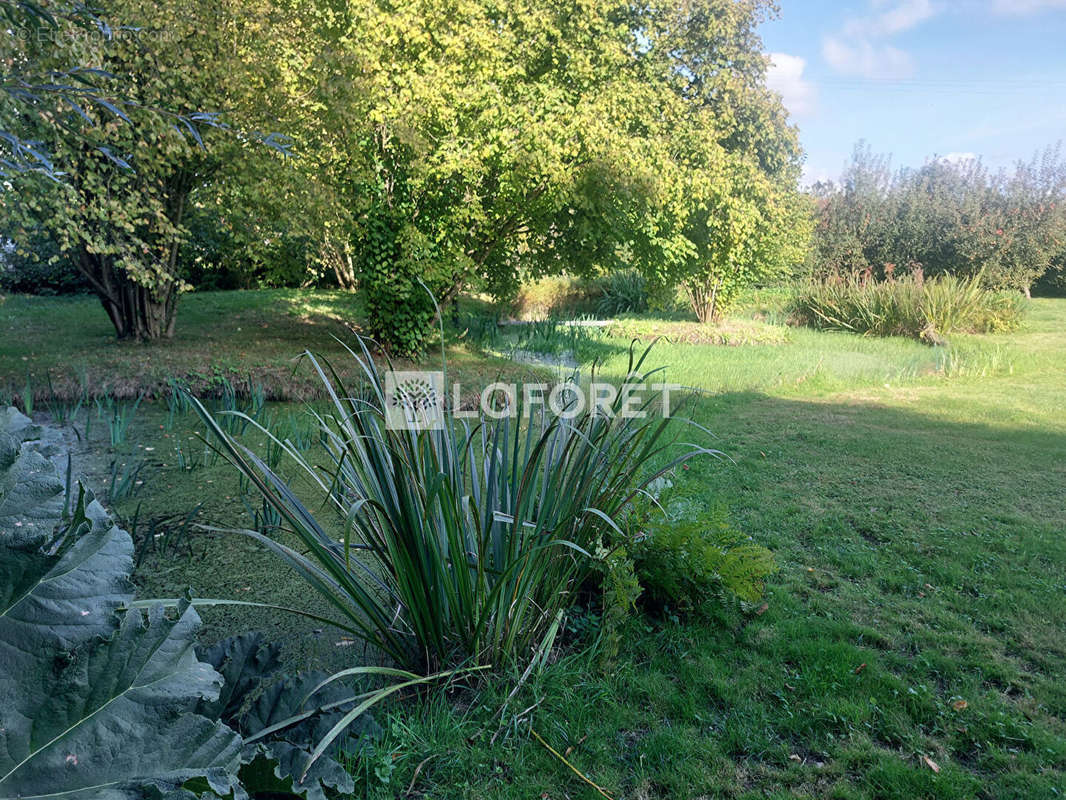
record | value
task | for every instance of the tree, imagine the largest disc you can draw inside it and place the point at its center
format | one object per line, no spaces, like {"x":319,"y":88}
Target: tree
{"x":472,"y":144}
{"x":34,"y":90}
{"x":725,"y":212}
{"x":1031,"y":207}
{"x":945,"y":217}
{"x":127,"y":168}
{"x":720,"y":226}
{"x":481,"y":128}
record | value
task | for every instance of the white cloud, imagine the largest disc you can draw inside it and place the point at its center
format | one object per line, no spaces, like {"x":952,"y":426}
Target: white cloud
{"x":861,"y":47}
{"x":785,"y":76}
{"x":867,"y":59}
{"x":815,"y":174}
{"x":898,"y":19}
{"x":1022,"y":7}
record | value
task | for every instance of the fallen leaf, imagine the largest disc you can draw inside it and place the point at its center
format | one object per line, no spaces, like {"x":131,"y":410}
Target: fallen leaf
{"x":931,"y":764}
{"x":761,"y":609}
{"x":860,"y":668}
{"x":959,"y":705}
{"x":795,"y":757}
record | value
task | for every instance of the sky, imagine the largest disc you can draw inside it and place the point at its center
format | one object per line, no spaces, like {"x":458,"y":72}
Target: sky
{"x":918,"y":79}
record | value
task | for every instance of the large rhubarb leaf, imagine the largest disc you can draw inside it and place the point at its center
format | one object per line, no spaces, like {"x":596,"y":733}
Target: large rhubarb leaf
{"x":63,"y":599}
{"x":109,"y":719}
{"x":31,"y":491}
{"x":101,"y":701}
{"x":94,"y":702}
{"x":244,"y":662}
{"x":277,"y":762}
{"x":283,"y":720}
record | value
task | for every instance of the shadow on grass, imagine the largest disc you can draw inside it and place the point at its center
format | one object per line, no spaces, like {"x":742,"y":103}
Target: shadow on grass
{"x":919,"y":606}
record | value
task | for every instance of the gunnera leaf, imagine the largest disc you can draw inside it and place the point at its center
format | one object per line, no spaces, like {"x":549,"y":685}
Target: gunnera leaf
{"x":244,"y":662}
{"x":288,"y":749}
{"x":31,"y":491}
{"x":283,"y":719}
{"x":62,"y":599}
{"x":94,"y":701}
{"x":109,"y":718}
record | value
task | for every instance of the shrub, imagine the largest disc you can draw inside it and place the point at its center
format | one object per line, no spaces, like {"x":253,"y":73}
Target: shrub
{"x":223,"y":254}
{"x":624,"y":292}
{"x":35,"y":267}
{"x":554,"y":296}
{"x":925,"y":309}
{"x":463,"y":544}
{"x":689,"y":558}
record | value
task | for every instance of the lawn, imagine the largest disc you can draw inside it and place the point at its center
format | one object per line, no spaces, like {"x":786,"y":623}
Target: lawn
{"x":913,"y":642}
{"x":65,"y":346}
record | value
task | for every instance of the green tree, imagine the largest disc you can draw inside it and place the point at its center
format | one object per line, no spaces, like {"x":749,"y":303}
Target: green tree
{"x":463,"y":143}
{"x":728,"y":227}
{"x":953,"y":218}
{"x":128,"y":167}
{"x":725,"y":213}
{"x":1031,"y":207}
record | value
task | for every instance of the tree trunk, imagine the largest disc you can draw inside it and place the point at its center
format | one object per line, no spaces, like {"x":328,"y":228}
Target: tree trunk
{"x":704,"y":299}
{"x":338,"y":255}
{"x":136,"y":312}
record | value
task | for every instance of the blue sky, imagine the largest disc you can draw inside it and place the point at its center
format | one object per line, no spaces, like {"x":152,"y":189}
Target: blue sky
{"x":918,"y":78}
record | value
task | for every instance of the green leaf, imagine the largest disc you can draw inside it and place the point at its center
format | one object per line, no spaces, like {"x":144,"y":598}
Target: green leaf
{"x":63,"y":600}
{"x":93,"y":704}
{"x":288,"y":750}
{"x":243,"y":662}
{"x":283,"y":720}
{"x":107,"y":719}
{"x":31,"y":492}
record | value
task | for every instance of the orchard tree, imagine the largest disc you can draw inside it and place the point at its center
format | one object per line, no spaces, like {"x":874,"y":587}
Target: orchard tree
{"x":1030,"y":206}
{"x":128,"y":162}
{"x":945,"y":217}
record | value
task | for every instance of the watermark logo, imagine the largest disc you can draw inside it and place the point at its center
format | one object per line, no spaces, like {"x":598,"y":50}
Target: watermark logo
{"x":419,"y":400}
{"x":414,"y":400}
{"x":81,"y":33}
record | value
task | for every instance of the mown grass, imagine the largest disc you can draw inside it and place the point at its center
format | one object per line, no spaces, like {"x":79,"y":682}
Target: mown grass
{"x":65,"y":346}
{"x":917,"y":618}
{"x":914,"y":497}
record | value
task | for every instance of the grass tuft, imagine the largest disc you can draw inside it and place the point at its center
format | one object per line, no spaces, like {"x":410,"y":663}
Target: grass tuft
{"x":924,"y":309}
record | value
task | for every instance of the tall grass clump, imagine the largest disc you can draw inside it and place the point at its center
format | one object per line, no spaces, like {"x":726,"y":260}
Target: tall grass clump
{"x":553,"y":296}
{"x":465,"y":544}
{"x":558,"y":337}
{"x":118,"y":416}
{"x":927,"y":309}
{"x":625,"y":291}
